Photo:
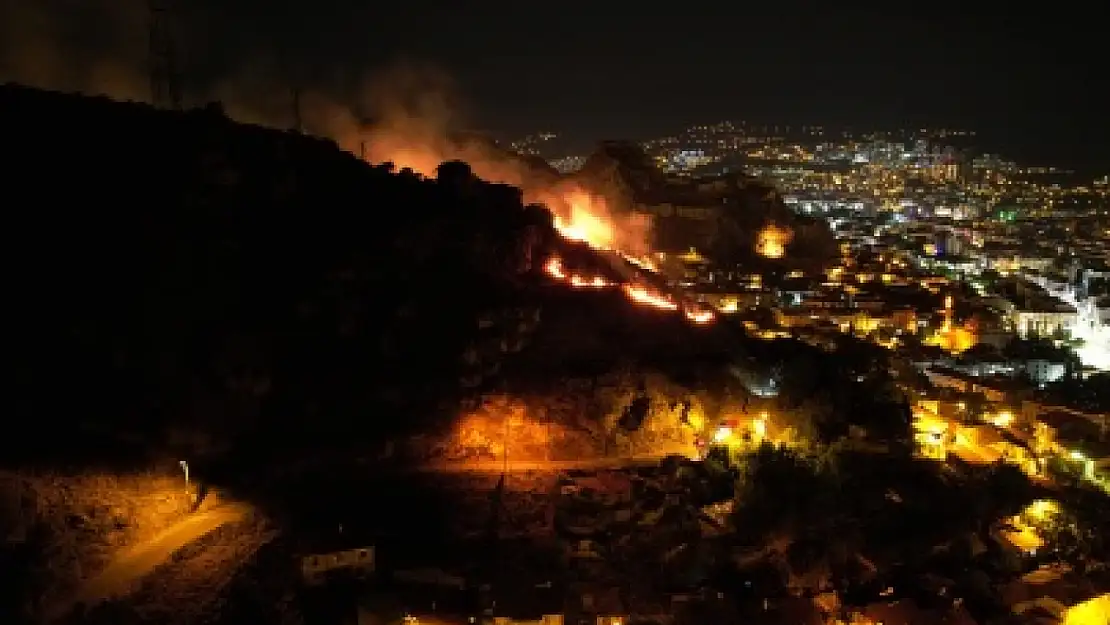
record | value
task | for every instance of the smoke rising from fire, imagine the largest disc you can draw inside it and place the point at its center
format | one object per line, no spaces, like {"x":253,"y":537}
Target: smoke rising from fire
{"x":417,"y":125}
{"x":408,"y":114}
{"x":102,"y":47}
{"x":70,"y":45}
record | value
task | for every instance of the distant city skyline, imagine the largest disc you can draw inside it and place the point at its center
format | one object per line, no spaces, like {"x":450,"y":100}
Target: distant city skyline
{"x":559,"y":145}
{"x":1026,"y":81}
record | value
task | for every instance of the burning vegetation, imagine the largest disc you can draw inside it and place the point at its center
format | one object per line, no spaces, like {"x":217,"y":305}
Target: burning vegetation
{"x":494,"y":272}
{"x":578,"y":215}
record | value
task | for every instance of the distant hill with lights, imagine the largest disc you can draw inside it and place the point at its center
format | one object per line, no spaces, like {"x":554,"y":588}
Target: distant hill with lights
{"x":721,"y":217}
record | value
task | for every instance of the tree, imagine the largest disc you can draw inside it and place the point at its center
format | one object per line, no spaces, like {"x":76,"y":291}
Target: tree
{"x":454,"y":173}
{"x":777,"y":492}
{"x":1080,"y":531}
{"x":1006,"y":487}
{"x":797,"y":505}
{"x":981,"y":352}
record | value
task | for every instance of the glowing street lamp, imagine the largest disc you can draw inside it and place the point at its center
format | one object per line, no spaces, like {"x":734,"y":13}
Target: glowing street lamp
{"x":1003,"y":419}
{"x":185,"y":468}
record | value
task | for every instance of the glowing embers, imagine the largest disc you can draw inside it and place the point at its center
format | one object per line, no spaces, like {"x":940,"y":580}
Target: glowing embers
{"x":700,"y":316}
{"x":641,"y":263}
{"x":555,"y":269}
{"x":647,"y":297}
{"x":639,"y":294}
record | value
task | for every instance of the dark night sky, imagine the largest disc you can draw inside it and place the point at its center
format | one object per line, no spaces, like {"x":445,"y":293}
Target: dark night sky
{"x":1034,"y":82}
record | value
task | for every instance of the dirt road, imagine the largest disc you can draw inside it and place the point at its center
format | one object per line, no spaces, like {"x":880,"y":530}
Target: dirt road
{"x":132,"y":564}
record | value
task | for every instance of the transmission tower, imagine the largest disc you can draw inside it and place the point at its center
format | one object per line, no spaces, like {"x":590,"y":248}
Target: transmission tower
{"x":165,"y":80}
{"x":291,"y":70}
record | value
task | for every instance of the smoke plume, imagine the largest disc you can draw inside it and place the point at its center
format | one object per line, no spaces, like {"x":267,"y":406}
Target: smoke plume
{"x":409,"y":113}
{"x":418,"y":123}
{"x":69,"y":45}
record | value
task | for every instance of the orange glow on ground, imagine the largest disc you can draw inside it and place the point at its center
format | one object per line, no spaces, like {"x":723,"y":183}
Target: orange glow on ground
{"x":638,"y":294}
{"x":772,"y":241}
{"x":953,"y":339}
{"x":643,"y":263}
{"x":700,"y":317}
{"x":641,"y":295}
{"x":554,"y":268}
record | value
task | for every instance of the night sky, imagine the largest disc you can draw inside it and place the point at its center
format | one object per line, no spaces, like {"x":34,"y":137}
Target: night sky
{"x":1032,"y":81}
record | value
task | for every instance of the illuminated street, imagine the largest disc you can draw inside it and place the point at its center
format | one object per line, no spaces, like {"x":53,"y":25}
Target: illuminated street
{"x":128,"y":567}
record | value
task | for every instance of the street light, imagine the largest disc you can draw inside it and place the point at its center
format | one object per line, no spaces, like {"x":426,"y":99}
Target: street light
{"x":185,"y":468}
{"x":505,"y":449}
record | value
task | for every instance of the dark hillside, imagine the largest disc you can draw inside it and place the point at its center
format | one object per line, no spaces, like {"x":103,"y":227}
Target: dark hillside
{"x":183,"y":272}
{"x":183,"y":284}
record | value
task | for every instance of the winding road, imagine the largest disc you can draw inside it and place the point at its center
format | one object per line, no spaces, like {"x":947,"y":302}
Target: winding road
{"x":132,"y":564}
{"x":123,"y":574}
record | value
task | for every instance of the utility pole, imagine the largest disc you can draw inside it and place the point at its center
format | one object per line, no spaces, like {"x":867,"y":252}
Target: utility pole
{"x":165,"y":78}
{"x":505,"y":450}
{"x":291,"y":70}
{"x":298,"y":121}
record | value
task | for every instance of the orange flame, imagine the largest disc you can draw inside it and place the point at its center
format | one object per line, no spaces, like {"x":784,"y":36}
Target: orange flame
{"x":554,"y":268}
{"x":700,"y":317}
{"x":596,"y":282}
{"x":637,"y":294}
{"x":641,"y":295}
{"x":643,"y":263}
{"x":576,"y":214}
{"x":584,"y":221}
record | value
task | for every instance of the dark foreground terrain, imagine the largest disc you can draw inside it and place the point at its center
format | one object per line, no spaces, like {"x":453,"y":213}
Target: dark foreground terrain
{"x":247,"y":300}
{"x":206,"y":308}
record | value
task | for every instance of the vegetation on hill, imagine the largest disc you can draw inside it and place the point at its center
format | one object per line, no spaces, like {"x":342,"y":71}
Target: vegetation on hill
{"x":865,"y":528}
{"x":188,"y":279}
{"x":194,"y":286}
{"x":60,"y":529}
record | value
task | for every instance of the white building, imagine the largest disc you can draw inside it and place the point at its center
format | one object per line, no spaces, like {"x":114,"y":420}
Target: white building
{"x":1044,"y":371}
{"x":1042,"y":321}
